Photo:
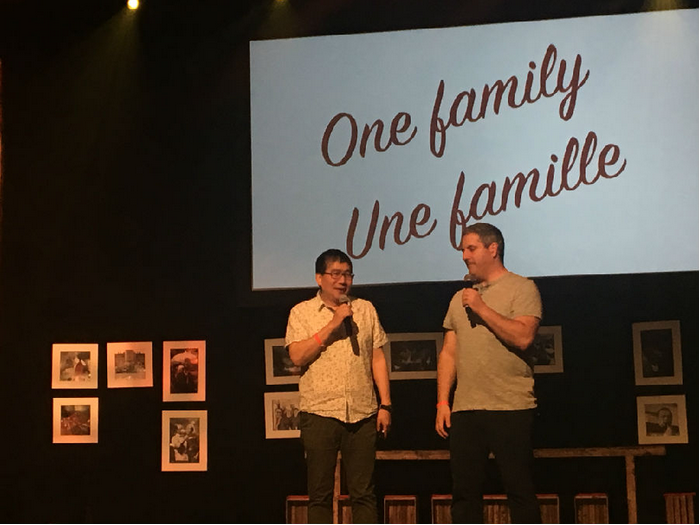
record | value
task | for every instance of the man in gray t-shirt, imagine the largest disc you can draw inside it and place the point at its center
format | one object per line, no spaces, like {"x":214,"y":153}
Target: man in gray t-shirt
{"x":487,"y":329}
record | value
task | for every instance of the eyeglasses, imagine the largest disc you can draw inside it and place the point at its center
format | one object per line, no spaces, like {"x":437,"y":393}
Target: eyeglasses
{"x":336,"y":274}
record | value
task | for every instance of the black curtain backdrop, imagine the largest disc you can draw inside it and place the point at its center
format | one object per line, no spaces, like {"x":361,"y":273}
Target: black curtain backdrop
{"x":126,"y":217}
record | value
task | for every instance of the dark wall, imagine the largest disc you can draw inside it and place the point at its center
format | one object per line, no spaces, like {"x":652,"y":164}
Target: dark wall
{"x":126,"y":217}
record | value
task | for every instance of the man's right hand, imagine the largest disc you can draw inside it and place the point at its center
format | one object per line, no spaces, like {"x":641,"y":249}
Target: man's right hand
{"x":443,"y":420}
{"x":340,"y":313}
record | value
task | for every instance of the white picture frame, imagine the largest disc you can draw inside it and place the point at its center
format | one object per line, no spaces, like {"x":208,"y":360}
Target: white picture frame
{"x":547,"y":351}
{"x":75,"y":420}
{"x":184,"y":371}
{"x":282,"y":415}
{"x":413,"y":355}
{"x":74,"y":365}
{"x":129,"y":365}
{"x":184,"y":441}
{"x":279,"y":369}
{"x":657,"y":353}
{"x":662,"y":419}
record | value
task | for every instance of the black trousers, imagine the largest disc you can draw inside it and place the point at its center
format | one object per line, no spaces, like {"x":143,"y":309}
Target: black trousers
{"x":508,"y":434}
{"x":322,"y":438}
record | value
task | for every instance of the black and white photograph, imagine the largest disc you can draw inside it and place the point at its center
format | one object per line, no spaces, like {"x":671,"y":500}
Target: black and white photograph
{"x":413,"y":355}
{"x":129,"y":365}
{"x":546,"y":351}
{"x":282,"y":415}
{"x":657,"y":353}
{"x":184,"y":377}
{"x":279,"y":369}
{"x":184,"y":440}
{"x":662,"y":419}
{"x":74,"y":366}
{"x":75,"y":419}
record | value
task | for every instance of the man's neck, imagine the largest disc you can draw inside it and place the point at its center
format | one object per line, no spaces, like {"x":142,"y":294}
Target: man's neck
{"x":495,"y":274}
{"x":330,"y":302}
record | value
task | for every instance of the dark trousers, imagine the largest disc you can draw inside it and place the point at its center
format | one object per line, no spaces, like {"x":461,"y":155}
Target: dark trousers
{"x":508,"y":434}
{"x":322,"y":438}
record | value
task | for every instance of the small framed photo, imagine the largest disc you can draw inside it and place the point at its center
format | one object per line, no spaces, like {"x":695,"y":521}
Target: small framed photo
{"x":74,"y":366}
{"x":279,"y":369}
{"x":547,"y":355}
{"x":129,"y":365}
{"x":657,"y":353}
{"x":282,"y":415}
{"x":413,"y":355}
{"x":662,"y":419}
{"x":184,"y":440}
{"x":184,"y":377}
{"x":75,"y":419}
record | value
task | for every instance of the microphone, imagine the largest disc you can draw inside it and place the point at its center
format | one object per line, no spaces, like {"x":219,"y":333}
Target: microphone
{"x":347,"y":322}
{"x":469,"y":282}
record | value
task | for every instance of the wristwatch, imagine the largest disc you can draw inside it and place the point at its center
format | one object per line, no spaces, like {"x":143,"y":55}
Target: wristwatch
{"x":385,"y":407}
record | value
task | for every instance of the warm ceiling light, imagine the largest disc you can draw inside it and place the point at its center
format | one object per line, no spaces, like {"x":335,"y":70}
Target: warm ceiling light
{"x":133,"y":4}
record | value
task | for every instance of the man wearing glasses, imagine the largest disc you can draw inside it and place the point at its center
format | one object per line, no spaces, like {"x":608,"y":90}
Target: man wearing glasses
{"x":338,"y":343}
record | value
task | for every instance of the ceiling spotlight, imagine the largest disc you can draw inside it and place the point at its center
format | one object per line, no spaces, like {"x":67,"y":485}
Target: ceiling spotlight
{"x":133,"y":4}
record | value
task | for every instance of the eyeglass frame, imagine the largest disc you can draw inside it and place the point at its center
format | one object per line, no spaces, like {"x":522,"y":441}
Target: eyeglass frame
{"x":347,"y":274}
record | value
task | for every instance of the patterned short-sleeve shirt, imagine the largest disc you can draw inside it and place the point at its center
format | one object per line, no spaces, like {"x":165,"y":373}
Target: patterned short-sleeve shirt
{"x":338,"y":383}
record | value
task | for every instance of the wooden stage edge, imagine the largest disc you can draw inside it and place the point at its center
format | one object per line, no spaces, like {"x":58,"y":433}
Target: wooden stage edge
{"x":629,"y":453}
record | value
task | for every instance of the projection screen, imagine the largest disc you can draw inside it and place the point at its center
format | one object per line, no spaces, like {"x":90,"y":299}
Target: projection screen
{"x":578,"y":138}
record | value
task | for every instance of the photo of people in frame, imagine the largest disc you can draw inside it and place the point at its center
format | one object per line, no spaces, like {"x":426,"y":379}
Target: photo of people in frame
{"x":74,"y":365}
{"x":414,"y":356}
{"x":75,"y":419}
{"x":282,"y":365}
{"x":657,"y":353}
{"x":662,"y":419}
{"x":282,"y":415}
{"x":184,"y":370}
{"x":184,"y":440}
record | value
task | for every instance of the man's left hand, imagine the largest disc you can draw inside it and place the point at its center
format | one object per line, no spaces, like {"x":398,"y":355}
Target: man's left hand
{"x":383,"y":421}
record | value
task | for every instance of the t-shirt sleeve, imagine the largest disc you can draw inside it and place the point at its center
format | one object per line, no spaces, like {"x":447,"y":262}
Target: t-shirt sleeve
{"x":527,"y":301}
{"x":449,"y":321}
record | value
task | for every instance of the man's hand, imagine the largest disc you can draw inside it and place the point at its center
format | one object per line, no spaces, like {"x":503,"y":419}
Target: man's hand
{"x":472,"y":299}
{"x":443,"y":420}
{"x":383,"y":421}
{"x":340,"y":313}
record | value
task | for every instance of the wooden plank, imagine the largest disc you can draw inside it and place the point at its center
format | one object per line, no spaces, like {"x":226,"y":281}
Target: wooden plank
{"x":640,"y":450}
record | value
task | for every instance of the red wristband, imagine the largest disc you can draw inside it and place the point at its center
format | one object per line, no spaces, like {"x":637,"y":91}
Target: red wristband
{"x":318,"y":339}
{"x":442,"y":403}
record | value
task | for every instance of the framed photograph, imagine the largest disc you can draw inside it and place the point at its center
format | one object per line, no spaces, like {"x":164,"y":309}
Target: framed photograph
{"x":281,"y":415}
{"x":184,"y":377}
{"x":184,"y":440}
{"x":74,"y":366}
{"x":662,"y":419}
{"x":546,"y":350}
{"x":279,"y":369}
{"x":657,"y":353}
{"x":129,"y":365}
{"x":75,"y":419}
{"x":413,"y":355}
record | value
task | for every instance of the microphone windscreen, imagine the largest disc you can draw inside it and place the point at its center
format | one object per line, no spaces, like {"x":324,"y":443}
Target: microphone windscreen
{"x":469,"y":281}
{"x":343,"y":299}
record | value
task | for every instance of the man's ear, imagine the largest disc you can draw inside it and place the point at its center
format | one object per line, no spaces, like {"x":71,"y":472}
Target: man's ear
{"x":493,"y":249}
{"x":318,"y":279}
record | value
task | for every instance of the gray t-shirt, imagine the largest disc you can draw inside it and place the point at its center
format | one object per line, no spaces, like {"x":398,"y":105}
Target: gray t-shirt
{"x":490,"y":376}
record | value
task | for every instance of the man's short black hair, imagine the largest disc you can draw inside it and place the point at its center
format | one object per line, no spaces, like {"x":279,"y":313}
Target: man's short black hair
{"x":330,"y":256}
{"x":488,"y":234}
